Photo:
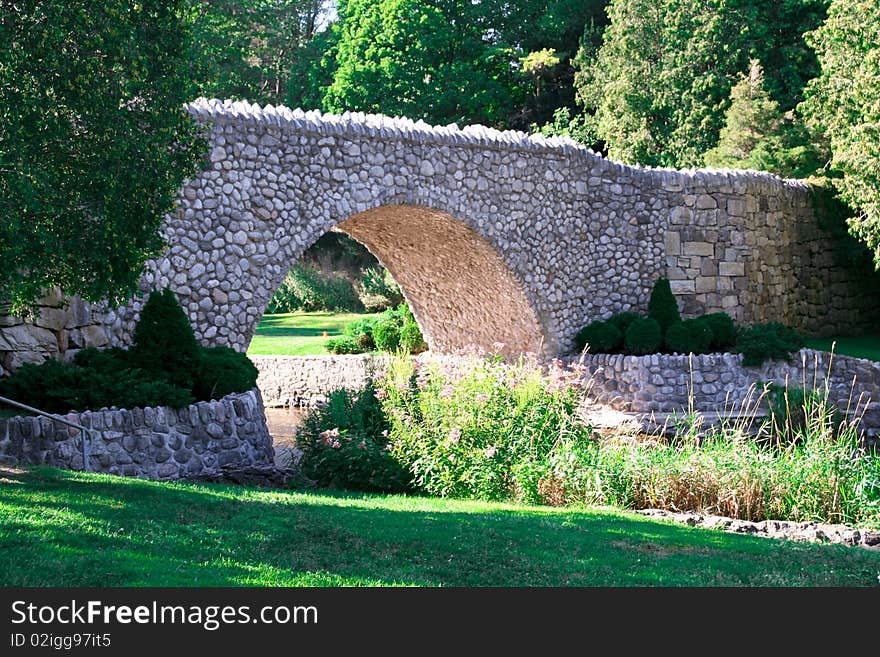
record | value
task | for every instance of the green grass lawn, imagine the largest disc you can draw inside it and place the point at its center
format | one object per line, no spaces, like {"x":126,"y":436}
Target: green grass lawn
{"x":63,"y":528}
{"x":863,"y":346}
{"x":298,"y":334}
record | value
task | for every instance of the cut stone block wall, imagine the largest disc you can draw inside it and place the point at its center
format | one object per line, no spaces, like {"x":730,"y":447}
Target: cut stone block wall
{"x":58,"y":328}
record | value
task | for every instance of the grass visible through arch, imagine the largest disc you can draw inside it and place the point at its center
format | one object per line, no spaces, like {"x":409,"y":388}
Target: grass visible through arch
{"x":299,"y":334}
{"x":62,"y":528}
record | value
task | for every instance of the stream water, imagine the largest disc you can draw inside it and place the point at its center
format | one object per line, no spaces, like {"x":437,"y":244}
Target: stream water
{"x":283,"y":422}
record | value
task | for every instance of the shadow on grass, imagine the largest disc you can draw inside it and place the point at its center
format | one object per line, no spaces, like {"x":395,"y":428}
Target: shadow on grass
{"x":59,"y":528}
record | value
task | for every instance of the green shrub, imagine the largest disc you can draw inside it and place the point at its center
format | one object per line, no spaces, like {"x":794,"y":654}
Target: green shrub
{"x":771,"y":341}
{"x":689,"y":336}
{"x":223,"y":371}
{"x":59,"y":387}
{"x":599,"y":337}
{"x":164,"y":344}
{"x":623,"y":320}
{"x":643,"y":336}
{"x":164,"y":367}
{"x":387,"y":333}
{"x":105,"y":360}
{"x":723,"y":330}
{"x":662,"y":306}
{"x":480,"y":428}
{"x":344,"y":344}
{"x":361,"y":331}
{"x":411,"y":340}
{"x":345,"y":444}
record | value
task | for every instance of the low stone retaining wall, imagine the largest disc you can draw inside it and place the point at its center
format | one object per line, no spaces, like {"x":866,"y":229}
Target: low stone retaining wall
{"x":659,"y":383}
{"x":720,"y":382}
{"x":305,"y":380}
{"x":155,"y":443}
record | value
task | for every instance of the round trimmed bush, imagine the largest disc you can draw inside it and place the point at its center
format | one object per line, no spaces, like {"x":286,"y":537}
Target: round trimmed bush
{"x":623,"y":320}
{"x":689,"y":336}
{"x":723,"y":330}
{"x":411,"y":339}
{"x":644,"y":336}
{"x":344,"y":344}
{"x":386,"y":334}
{"x":662,"y":306}
{"x":599,"y":337}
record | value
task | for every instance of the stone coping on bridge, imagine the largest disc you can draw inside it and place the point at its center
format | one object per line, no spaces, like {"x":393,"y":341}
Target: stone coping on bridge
{"x":152,"y":443}
{"x":353,"y":124}
{"x":636,"y":385}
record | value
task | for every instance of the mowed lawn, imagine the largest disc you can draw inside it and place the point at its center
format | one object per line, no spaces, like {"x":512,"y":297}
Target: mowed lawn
{"x":863,"y":346}
{"x":63,"y":528}
{"x":298,"y":334}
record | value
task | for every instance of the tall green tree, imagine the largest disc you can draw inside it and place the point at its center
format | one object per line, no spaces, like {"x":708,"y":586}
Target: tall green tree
{"x":422,"y":60}
{"x":660,"y":83}
{"x":450,"y":60}
{"x":247,"y":48}
{"x":843,"y":104}
{"x":756,"y":134}
{"x":94,"y":142}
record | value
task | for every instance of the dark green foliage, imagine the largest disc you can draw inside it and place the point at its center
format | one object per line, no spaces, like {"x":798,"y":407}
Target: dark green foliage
{"x":599,"y":337}
{"x":246,"y":48}
{"x":723,"y":330}
{"x":415,"y":59}
{"x":165,"y":367}
{"x":59,"y":387}
{"x":644,"y":336}
{"x":623,"y":320}
{"x":345,"y":344}
{"x":689,"y":336}
{"x":164,"y":343}
{"x":387,"y":333}
{"x":660,"y":83}
{"x":222,"y":371}
{"x":94,"y":142}
{"x":361,"y":332}
{"x":662,"y":306}
{"x":843,"y":105}
{"x":307,"y":289}
{"x":771,"y":341}
{"x":345,"y":444}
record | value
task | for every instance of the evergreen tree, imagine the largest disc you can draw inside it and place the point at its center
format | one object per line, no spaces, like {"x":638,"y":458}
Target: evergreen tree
{"x":751,"y":119}
{"x":661,"y":80}
{"x":757,"y":136}
{"x":844,"y":105}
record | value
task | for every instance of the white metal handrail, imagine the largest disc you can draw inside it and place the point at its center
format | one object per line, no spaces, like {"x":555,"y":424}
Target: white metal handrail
{"x":57,"y":418}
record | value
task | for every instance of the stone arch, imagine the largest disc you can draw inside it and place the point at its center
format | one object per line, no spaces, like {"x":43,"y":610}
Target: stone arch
{"x":460,"y":289}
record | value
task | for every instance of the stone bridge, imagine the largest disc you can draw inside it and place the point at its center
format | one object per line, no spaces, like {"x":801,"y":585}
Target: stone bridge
{"x":493,"y":236}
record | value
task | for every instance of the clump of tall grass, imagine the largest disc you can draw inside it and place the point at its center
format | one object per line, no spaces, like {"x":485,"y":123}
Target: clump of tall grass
{"x":484,"y":429}
{"x":806,"y":462}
